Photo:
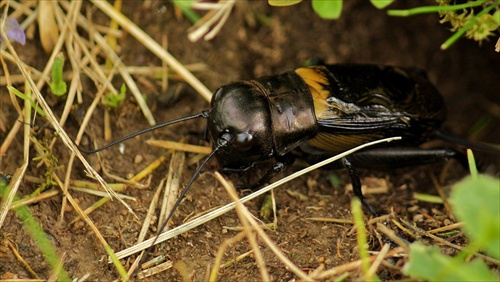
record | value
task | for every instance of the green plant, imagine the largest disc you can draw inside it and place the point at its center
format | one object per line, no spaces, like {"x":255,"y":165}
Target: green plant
{"x":462,"y":18}
{"x":475,"y":201}
{"x":57,"y":85}
{"x":185,"y":7}
{"x":113,"y":100}
{"x":27,"y":98}
{"x":328,"y":9}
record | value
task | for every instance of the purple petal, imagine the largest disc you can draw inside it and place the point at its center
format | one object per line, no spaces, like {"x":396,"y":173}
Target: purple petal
{"x":14,"y":31}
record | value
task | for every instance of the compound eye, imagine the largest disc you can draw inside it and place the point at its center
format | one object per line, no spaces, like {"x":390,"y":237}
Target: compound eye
{"x":224,"y":139}
{"x":244,"y":141}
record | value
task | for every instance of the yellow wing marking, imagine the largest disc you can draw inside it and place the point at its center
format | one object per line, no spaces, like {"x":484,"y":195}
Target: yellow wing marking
{"x":315,"y":79}
{"x":339,"y":143}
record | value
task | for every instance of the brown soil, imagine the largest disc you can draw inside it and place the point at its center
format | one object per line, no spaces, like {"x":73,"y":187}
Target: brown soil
{"x":466,"y":75}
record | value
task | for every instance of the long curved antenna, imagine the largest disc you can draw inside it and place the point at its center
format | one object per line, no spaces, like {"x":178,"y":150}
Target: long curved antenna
{"x":222,"y":143}
{"x":203,"y":114}
{"x":474,"y":145}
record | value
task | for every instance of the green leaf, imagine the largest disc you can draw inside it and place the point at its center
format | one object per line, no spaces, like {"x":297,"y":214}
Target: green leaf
{"x":24,"y":97}
{"x":281,"y":3}
{"x":496,"y":16}
{"x":477,"y":203}
{"x":429,"y":264}
{"x":328,"y":9}
{"x":57,"y":85}
{"x":381,"y":4}
{"x":113,"y":100}
{"x":185,"y":7}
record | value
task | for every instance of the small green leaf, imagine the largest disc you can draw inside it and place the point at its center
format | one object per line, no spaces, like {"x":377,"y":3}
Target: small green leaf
{"x":57,"y":85}
{"x":496,"y":16}
{"x":266,"y":207}
{"x":334,"y":180}
{"x":24,"y":97}
{"x":427,"y":198}
{"x":428,"y":263}
{"x":472,"y":163}
{"x":185,"y":7}
{"x":113,"y":100}
{"x":381,"y":4}
{"x":477,"y":203}
{"x":282,"y":3}
{"x":328,"y":9}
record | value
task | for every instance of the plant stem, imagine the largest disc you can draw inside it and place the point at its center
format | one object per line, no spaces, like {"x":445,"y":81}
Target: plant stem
{"x":431,"y":9}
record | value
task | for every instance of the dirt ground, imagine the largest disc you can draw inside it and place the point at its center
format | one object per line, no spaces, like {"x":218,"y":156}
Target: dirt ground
{"x":256,"y":40}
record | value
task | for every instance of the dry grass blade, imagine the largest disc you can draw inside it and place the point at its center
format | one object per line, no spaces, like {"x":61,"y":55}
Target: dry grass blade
{"x":154,"y":47}
{"x":69,"y":143}
{"x":179,"y":146}
{"x":145,"y":226}
{"x":172,"y":186}
{"x":49,"y":31}
{"x":340,"y":269}
{"x":20,"y":172}
{"x":120,"y":67}
{"x":50,"y":115}
{"x":443,"y":197}
{"x":155,"y":270}
{"x":392,"y":235}
{"x":36,"y":199}
{"x":212,"y":22}
{"x":216,"y":213}
{"x":248,"y":226}
{"x":331,"y":220}
{"x":249,"y":223}
{"x":28,"y":268}
{"x":220,"y":253}
{"x":446,"y":228}
{"x":376,"y":263}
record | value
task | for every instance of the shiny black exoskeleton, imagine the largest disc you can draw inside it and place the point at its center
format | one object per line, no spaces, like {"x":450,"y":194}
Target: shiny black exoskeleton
{"x":322,"y":110}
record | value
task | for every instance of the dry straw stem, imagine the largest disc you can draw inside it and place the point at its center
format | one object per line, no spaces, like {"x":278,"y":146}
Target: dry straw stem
{"x":145,"y":226}
{"x":439,"y":189}
{"x":20,"y":172}
{"x":67,"y":141}
{"x":179,"y":146}
{"x":354,"y":265}
{"x":218,"y":212}
{"x":446,"y":228}
{"x":243,"y":214}
{"x":220,"y":254}
{"x":172,"y":186}
{"x":138,"y":177}
{"x":13,"y":249}
{"x":250,"y":223}
{"x":392,"y":235}
{"x":154,"y":47}
{"x":212,"y":22}
{"x":376,"y":263}
{"x":155,"y":270}
{"x":118,"y":64}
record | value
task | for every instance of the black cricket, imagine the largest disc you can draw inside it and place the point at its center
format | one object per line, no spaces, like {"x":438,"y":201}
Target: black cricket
{"x":318,"y":111}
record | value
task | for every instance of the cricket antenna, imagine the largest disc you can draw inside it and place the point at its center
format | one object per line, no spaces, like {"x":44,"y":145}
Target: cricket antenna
{"x":224,"y":141}
{"x":203,"y":114}
{"x":474,"y":145}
